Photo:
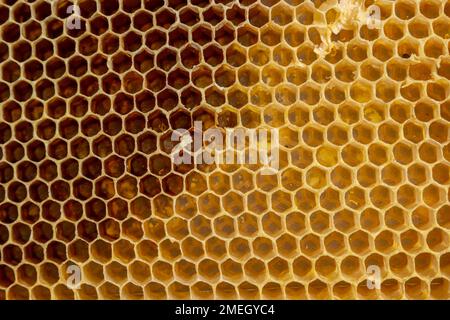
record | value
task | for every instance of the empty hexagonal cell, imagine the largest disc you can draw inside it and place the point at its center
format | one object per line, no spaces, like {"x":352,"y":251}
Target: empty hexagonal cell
{"x":437,"y":239}
{"x":185,"y":270}
{"x":311,"y":245}
{"x":209,"y":269}
{"x":439,"y":288}
{"x":318,"y":290}
{"x":425,"y":264}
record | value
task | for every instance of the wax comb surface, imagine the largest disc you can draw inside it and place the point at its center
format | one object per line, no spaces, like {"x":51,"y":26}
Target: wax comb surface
{"x":88,"y":104}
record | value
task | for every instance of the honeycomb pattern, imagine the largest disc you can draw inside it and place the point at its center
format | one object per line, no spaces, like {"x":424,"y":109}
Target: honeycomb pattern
{"x":86,"y":178}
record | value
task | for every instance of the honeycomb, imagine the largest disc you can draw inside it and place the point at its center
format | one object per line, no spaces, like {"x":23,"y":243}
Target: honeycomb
{"x":87,"y":181}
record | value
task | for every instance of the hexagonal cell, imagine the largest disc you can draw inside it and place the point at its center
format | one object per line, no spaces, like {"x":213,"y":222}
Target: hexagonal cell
{"x":201,"y":35}
{"x":394,"y":29}
{"x":143,"y":61}
{"x":167,"y":99}
{"x":425,"y":264}
{"x":343,"y":290}
{"x":12,"y":111}
{"x":439,"y":288}
{"x":155,"y":39}
{"x":271,"y":224}
{"x":11,"y":71}
{"x":312,"y":136}
{"x":189,"y":16}
{"x":209,"y":269}
{"x":352,"y":267}
{"x":411,"y":240}
{"x":284,"y":56}
{"x":165,"y":18}
{"x":318,"y":290}
{"x":433,"y":195}
{"x":233,"y":203}
{"x":385,"y":241}
{"x":140,"y":207}
{"x":200,"y":227}
{"x":434,"y":48}
{"x":311,"y":245}
{"x":247,"y":35}
{"x":155,"y":290}
{"x":140,"y":271}
{"x":437,"y":239}
{"x":225,"y":35}
{"x":186,"y":206}
{"x":255,"y":269}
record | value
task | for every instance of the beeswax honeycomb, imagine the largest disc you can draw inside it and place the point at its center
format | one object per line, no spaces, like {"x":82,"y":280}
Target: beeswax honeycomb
{"x":86,"y":177}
